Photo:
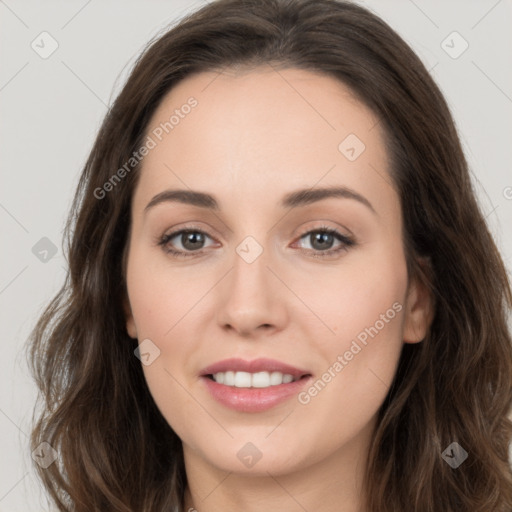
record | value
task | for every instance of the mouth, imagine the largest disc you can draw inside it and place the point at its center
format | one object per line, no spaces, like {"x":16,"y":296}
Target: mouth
{"x":253,"y":386}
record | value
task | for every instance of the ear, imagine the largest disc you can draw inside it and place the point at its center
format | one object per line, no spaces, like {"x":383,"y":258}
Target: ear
{"x":131,"y":329}
{"x":419,"y":311}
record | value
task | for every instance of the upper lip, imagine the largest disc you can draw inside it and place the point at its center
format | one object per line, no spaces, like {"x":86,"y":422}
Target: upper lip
{"x":254,"y":366}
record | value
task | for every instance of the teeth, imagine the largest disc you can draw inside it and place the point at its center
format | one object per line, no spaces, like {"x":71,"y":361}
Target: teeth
{"x":254,"y":380}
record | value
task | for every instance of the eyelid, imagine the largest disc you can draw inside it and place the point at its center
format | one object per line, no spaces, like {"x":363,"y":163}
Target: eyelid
{"x":322,"y":225}
{"x":184,"y":227}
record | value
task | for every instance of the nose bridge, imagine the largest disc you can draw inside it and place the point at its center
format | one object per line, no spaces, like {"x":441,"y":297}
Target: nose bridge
{"x":252,"y":296}
{"x":250,"y":276}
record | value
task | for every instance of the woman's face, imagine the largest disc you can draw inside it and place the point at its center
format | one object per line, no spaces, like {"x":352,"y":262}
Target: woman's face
{"x":293,"y":265}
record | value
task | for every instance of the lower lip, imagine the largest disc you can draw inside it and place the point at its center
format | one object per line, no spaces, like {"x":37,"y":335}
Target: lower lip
{"x":253,"y":399}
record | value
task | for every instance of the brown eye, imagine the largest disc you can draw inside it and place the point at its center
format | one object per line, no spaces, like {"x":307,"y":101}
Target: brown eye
{"x":192,"y":240}
{"x":184,"y":241}
{"x":322,"y":240}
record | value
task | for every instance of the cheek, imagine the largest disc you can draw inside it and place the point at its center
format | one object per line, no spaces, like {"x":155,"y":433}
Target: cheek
{"x":366,"y":312}
{"x":161,"y":296}
{"x":363,"y":305}
{"x":353,"y":296}
{"x":165,"y":306}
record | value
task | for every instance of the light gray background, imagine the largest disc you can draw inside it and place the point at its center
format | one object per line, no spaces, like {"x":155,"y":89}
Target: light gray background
{"x":52,"y":109}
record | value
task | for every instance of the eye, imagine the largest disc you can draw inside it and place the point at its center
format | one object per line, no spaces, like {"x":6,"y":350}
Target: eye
{"x":321,"y":241}
{"x":190,"y":240}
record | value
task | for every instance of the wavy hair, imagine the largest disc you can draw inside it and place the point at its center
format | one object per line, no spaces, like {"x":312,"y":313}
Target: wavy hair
{"x":116,"y":451}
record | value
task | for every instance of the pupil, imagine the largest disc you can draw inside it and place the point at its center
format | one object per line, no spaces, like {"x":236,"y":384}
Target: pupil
{"x":324,"y":239}
{"x":192,"y":240}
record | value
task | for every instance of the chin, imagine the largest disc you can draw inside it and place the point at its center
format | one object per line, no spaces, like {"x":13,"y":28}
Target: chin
{"x":255,"y":458}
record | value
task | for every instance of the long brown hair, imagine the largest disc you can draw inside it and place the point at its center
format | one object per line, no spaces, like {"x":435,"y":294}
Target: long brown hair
{"x":115,"y":450}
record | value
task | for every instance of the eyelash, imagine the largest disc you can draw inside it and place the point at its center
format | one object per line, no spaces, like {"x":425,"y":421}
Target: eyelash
{"x":347,"y":242}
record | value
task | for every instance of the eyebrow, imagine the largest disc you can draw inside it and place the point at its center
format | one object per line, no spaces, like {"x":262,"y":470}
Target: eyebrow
{"x":294,"y":199}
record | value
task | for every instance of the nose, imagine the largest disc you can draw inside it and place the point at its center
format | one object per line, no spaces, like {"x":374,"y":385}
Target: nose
{"x":252,"y":300}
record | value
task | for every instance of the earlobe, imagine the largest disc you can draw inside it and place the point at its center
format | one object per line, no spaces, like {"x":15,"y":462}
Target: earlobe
{"x":419,"y":309}
{"x":131,"y":329}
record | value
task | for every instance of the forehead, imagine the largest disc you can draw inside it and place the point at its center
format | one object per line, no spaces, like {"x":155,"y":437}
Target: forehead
{"x":263,"y":130}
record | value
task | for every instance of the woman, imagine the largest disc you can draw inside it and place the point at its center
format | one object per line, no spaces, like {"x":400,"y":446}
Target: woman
{"x":282,"y":291}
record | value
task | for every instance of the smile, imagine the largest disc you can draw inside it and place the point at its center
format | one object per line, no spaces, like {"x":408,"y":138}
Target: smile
{"x":252,"y":380}
{"x":253,"y":386}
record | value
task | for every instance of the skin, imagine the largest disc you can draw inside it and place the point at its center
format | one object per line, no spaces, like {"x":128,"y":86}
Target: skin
{"x":255,"y":136}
